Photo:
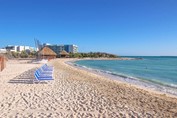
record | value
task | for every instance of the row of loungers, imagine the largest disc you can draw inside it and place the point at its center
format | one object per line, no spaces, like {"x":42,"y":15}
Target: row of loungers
{"x":44,"y":73}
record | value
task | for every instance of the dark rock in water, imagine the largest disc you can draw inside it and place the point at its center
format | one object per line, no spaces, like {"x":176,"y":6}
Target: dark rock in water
{"x":139,"y":58}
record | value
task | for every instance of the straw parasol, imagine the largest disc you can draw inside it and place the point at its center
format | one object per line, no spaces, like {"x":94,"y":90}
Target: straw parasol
{"x":47,"y":53}
{"x":63,"y":53}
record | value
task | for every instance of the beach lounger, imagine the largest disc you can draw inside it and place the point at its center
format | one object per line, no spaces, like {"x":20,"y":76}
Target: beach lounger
{"x":45,"y":67}
{"x":43,"y":78}
{"x":44,"y":73}
{"x":41,"y":71}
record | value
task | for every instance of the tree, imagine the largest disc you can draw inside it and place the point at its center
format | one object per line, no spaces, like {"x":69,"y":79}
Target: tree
{"x":23,"y":54}
{"x":92,"y":55}
{"x":15,"y":54}
{"x":32,"y":54}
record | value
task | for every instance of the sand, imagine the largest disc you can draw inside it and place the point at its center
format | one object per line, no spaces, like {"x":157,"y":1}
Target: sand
{"x":76,"y":93}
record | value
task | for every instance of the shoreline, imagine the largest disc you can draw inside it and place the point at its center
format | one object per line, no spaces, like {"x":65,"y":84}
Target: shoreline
{"x":75,"y":93}
{"x":101,"y":58}
{"x":142,"y":84}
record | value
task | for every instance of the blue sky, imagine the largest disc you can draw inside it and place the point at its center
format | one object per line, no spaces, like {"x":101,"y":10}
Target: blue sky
{"x":123,"y":27}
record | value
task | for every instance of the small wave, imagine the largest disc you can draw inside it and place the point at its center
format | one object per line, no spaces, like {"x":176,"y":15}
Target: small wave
{"x":173,"y":85}
{"x":107,"y":72}
{"x":83,"y":66}
{"x":157,"y":85}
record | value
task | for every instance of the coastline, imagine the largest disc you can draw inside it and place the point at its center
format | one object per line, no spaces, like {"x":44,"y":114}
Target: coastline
{"x":119,"y":58}
{"x":142,"y":84}
{"x":75,"y":92}
{"x":132,"y":94}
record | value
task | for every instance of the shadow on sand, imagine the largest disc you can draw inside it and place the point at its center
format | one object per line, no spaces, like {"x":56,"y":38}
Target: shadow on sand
{"x":26,"y":78}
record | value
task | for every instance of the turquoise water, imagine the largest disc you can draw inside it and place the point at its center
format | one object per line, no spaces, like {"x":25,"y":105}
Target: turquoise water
{"x":160,"y":70}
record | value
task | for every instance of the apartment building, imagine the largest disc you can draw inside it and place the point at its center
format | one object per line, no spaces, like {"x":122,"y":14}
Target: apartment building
{"x":28,"y":49}
{"x":71,"y":48}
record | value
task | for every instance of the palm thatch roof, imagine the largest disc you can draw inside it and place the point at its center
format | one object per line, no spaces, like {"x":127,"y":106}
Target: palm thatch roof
{"x":47,"y":51}
{"x":63,"y":52}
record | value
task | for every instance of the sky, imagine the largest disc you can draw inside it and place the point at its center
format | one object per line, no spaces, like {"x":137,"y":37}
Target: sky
{"x":122,"y":27}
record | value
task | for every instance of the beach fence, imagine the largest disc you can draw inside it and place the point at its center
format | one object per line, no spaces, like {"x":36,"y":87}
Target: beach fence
{"x":2,"y":63}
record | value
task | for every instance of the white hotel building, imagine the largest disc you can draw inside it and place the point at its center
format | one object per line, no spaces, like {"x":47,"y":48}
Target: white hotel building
{"x":19,"y":48}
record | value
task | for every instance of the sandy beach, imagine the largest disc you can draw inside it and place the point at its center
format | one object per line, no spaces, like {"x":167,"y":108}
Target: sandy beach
{"x":76,"y":93}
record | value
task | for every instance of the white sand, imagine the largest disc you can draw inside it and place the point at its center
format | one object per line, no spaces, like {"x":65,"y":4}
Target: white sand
{"x":75,"y":93}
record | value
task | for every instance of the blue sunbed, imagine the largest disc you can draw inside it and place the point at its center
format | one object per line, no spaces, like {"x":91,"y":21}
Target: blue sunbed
{"x":44,"y":73}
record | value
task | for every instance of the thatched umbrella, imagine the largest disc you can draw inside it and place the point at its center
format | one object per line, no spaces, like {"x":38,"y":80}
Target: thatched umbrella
{"x":47,"y":53}
{"x":63,"y":53}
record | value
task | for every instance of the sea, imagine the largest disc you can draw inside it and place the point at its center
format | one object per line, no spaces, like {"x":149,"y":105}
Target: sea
{"x":156,"y":72}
